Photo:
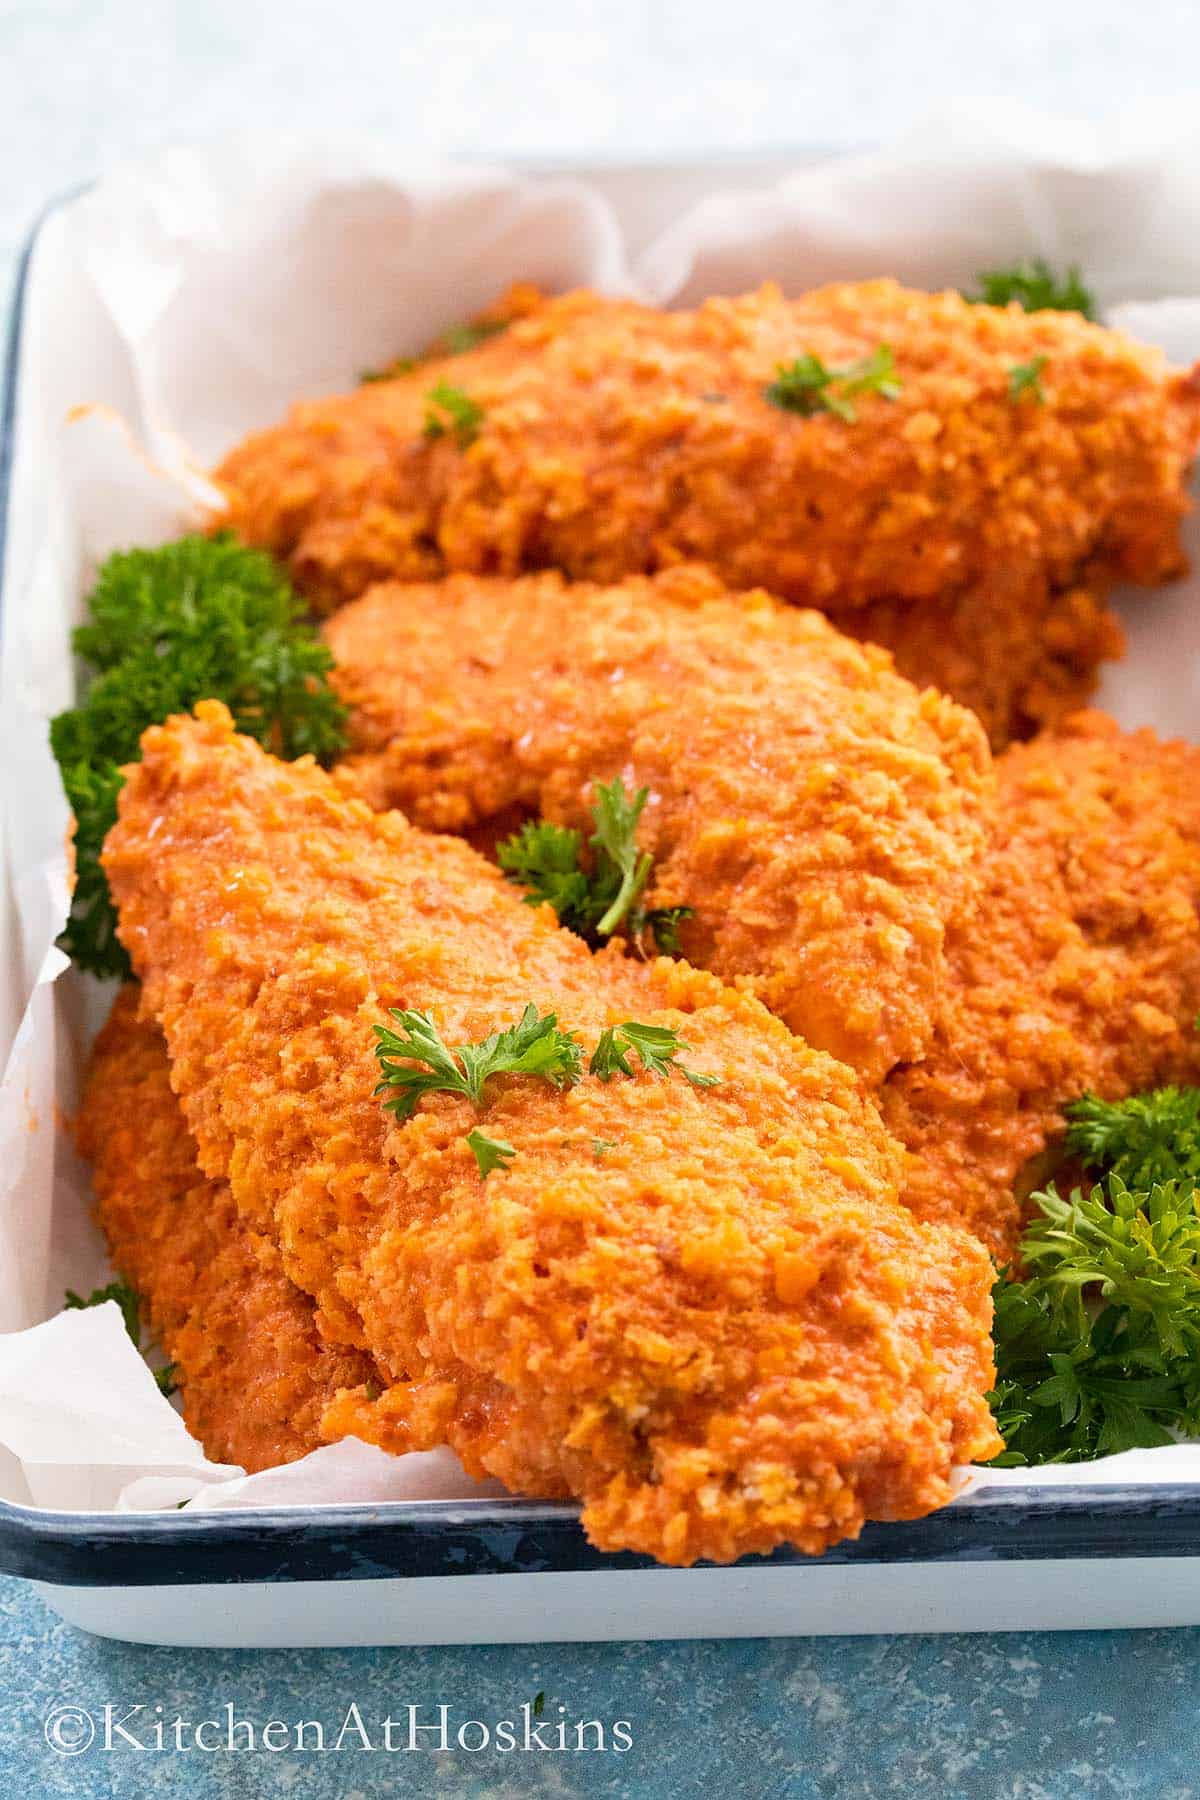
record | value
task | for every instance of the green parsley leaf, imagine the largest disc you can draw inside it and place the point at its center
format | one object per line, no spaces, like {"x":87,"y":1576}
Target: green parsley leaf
{"x":126,"y":1299}
{"x":449,"y":410}
{"x":200,"y":619}
{"x":1034,"y":286}
{"x":800,"y":386}
{"x":403,"y":365}
{"x":535,"y":1047}
{"x":131,"y":1313}
{"x":601,"y":1148}
{"x":663,"y":924}
{"x":657,"y":1047}
{"x":1026,"y":378}
{"x":616,"y":817}
{"x":545,"y":859}
{"x":1146,"y":1140}
{"x":874,"y":374}
{"x":451,"y":343}
{"x":168,"y":1379}
{"x":596,"y":901}
{"x":808,"y":385}
{"x":89,"y":937}
{"x":490,"y":1153}
{"x":465,"y":337}
{"x":1098,"y":1348}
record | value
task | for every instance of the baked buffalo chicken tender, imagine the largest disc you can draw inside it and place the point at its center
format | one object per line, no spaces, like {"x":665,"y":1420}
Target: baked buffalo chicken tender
{"x":823,"y":820}
{"x":1079,"y":971}
{"x":700,"y":1310}
{"x":254,"y":1375}
{"x":960,"y":483}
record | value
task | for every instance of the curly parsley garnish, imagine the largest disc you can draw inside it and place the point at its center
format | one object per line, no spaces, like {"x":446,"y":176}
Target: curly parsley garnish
{"x":657,"y":1048}
{"x":449,"y":411}
{"x":809,"y":386}
{"x":1035,"y":287}
{"x":1026,"y":378}
{"x":131,"y":1312}
{"x":546,"y":860}
{"x":604,"y":897}
{"x":201,"y":619}
{"x":1098,"y":1349}
{"x":1147,"y":1140}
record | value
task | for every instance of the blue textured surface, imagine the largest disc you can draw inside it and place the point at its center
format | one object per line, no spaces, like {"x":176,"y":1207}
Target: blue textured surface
{"x":1023,"y":1716}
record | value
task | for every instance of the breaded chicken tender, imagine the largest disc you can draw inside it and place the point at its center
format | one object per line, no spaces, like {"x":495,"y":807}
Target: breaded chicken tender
{"x":253,"y":1373}
{"x":970,"y":522}
{"x":1079,"y":971}
{"x":823,"y":819}
{"x":700,"y":1311}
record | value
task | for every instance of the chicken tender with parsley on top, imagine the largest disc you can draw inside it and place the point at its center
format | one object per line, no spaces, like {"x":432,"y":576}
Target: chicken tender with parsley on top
{"x":1080,"y":969}
{"x":254,"y":1375}
{"x":957,"y":482}
{"x":699,"y":1309}
{"x":821,"y":819}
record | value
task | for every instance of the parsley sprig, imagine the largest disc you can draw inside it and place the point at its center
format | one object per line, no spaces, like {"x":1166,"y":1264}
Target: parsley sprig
{"x":1026,"y":378}
{"x":808,"y":385}
{"x":600,"y":895}
{"x":1098,"y":1348}
{"x":615,"y":843}
{"x":402,"y":365}
{"x":535,"y":1046}
{"x":452,"y":342}
{"x":1034,"y":286}
{"x":1149,"y":1139}
{"x":461,"y":338}
{"x":131,"y":1312}
{"x":201,"y":619}
{"x":416,"y":1060}
{"x":657,"y":1048}
{"x":450,"y":411}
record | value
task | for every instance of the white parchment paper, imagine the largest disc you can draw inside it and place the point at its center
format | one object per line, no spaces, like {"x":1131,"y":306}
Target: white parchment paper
{"x":181,"y":304}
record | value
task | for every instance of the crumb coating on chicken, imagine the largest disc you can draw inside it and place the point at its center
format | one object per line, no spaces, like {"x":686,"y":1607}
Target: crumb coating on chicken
{"x":722,"y":1334}
{"x":1080,"y":969}
{"x":254,"y":1375}
{"x":823,"y":819}
{"x":969,"y":528}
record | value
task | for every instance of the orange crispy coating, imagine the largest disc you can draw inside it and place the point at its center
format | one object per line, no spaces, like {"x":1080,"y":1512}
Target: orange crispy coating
{"x":822,"y":818}
{"x":1021,"y":654}
{"x":722,"y":1334}
{"x":517,"y":302}
{"x":1080,"y":969}
{"x":254,"y":1375}
{"x":958,"y":526}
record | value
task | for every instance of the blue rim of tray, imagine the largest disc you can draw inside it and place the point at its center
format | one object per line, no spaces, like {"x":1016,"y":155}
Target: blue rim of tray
{"x":517,"y":1537}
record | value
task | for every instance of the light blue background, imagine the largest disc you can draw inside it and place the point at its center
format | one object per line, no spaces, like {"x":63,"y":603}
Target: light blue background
{"x":1025,"y":1717}
{"x":1038,"y":1716}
